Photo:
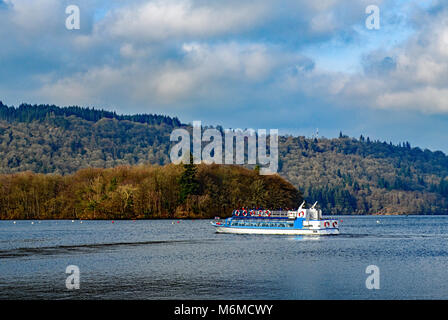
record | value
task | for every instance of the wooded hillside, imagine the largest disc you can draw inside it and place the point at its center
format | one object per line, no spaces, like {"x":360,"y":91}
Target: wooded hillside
{"x":346,"y":175}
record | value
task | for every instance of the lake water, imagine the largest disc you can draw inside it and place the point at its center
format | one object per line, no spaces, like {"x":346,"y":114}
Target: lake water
{"x":164,"y":259}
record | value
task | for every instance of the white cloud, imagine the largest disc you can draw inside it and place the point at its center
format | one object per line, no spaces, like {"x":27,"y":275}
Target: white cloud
{"x":129,"y":51}
{"x":26,"y":20}
{"x":324,"y":22}
{"x":163,"y":20}
{"x":205,"y":72}
{"x":427,"y":100}
{"x":412,"y":75}
{"x":91,"y":87}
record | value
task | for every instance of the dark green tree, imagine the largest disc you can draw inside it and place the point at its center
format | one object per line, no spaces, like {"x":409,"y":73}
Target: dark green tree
{"x":188,"y":182}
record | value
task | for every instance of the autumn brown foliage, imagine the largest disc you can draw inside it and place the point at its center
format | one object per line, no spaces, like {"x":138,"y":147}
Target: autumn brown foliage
{"x":136,"y":192}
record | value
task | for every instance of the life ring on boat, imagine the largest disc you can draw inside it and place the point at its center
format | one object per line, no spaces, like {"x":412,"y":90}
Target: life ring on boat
{"x":237,"y":213}
{"x":267,"y":213}
{"x":260,"y":212}
{"x":245,"y":212}
{"x":301,"y":214}
{"x":251,"y":212}
{"x":326,"y":224}
{"x":335,"y":224}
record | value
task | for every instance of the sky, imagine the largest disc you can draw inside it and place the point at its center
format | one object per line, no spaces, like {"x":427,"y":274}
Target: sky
{"x":297,"y":66}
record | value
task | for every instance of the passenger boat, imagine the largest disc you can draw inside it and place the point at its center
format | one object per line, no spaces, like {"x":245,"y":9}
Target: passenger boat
{"x":290,"y":222}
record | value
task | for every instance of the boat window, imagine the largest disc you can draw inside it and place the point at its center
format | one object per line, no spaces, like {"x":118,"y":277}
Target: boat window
{"x":267,"y":223}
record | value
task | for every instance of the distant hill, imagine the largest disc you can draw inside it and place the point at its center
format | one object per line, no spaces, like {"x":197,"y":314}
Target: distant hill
{"x":50,"y":139}
{"x":346,"y":175}
{"x":358,"y":176}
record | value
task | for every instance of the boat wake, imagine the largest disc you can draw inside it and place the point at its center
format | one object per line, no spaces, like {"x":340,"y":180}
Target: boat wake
{"x":86,"y":248}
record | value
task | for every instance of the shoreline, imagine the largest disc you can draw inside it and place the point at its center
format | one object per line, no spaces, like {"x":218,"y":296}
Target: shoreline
{"x":192,"y":219}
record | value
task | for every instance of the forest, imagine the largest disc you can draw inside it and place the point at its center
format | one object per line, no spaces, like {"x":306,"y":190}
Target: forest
{"x":142,"y":192}
{"x":359,"y":176}
{"x":346,"y":175}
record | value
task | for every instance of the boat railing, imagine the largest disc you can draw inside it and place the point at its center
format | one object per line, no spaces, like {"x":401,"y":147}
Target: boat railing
{"x":279,"y":213}
{"x":267,"y":213}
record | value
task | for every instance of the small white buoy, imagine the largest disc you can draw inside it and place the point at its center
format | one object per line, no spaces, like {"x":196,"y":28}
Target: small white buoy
{"x":378,"y":221}
{"x":80,"y":221}
{"x":73,"y":220}
{"x":14,"y":222}
{"x":32,"y":222}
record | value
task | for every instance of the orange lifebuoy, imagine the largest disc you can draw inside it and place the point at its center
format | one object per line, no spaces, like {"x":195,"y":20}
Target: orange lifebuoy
{"x":335,"y":224}
{"x":302,"y":214}
{"x":326,"y":224}
{"x":245,"y":212}
{"x":267,"y":213}
{"x":237,"y":213}
{"x":260,"y":212}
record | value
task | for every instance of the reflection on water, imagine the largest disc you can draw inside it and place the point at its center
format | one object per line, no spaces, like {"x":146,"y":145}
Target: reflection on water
{"x":306,"y":238}
{"x":159,"y":259}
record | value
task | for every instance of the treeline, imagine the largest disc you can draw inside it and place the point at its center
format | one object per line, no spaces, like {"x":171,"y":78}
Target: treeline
{"x":28,"y":113}
{"x":142,"y":192}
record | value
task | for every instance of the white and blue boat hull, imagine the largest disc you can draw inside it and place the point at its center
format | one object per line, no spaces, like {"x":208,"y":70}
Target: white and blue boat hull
{"x":249,"y":230}
{"x":295,"y":227}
